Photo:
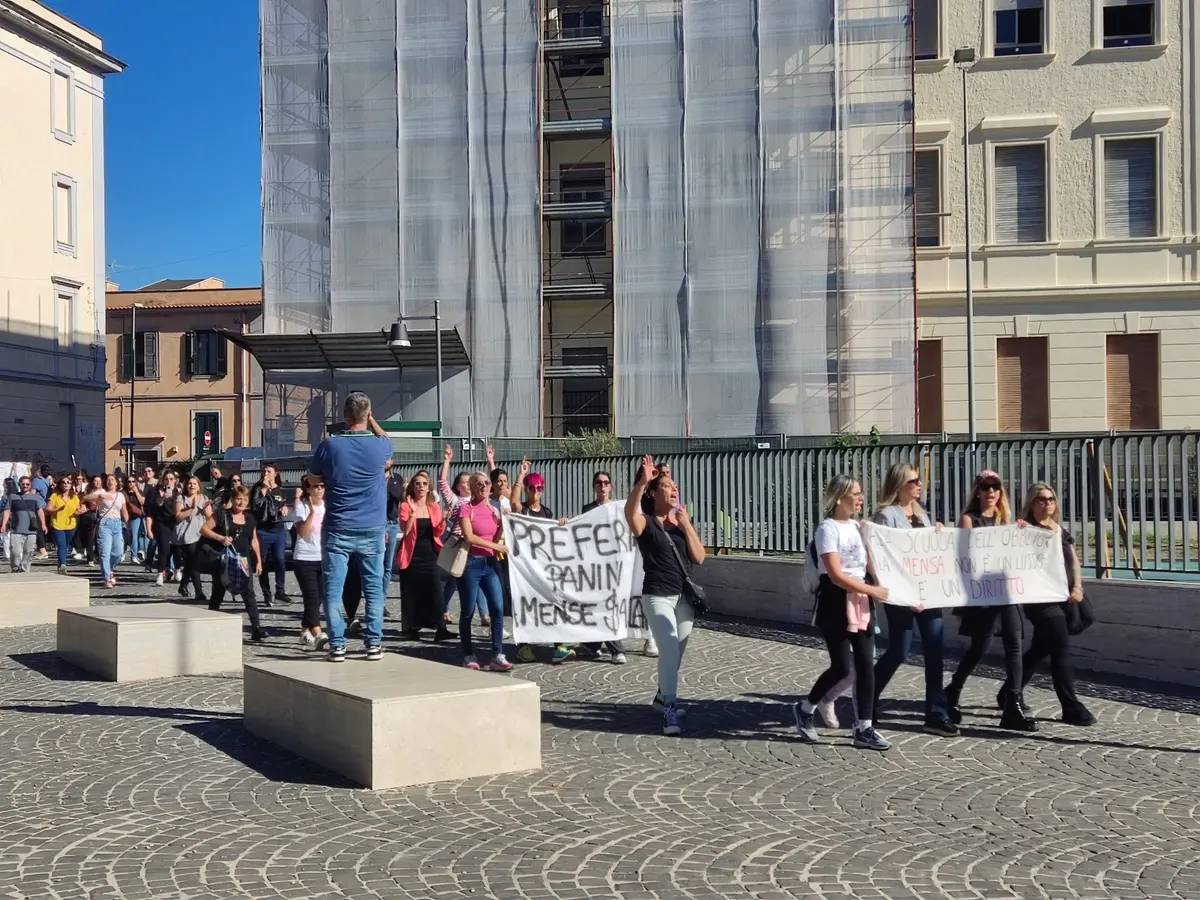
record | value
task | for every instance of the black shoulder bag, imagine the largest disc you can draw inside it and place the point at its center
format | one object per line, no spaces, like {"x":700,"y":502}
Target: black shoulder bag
{"x":692,"y":592}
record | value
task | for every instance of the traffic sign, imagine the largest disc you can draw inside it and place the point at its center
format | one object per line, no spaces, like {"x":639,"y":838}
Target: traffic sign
{"x":207,"y":439}
{"x":128,"y":443}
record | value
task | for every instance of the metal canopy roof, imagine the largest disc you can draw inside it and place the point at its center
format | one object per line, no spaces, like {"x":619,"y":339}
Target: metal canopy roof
{"x":361,"y":351}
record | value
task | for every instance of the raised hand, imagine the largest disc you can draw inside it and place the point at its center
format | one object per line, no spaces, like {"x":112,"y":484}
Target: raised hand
{"x":524,"y":469}
{"x":647,"y":472}
{"x":448,"y":453}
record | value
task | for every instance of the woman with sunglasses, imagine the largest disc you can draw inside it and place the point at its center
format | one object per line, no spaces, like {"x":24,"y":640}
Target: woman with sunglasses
{"x":989,"y":507}
{"x":481,"y":580}
{"x":306,"y":562}
{"x":1050,"y":635}
{"x":62,"y":509}
{"x":420,"y":542}
{"x":602,"y":491}
{"x":526,"y":500}
{"x":900,"y":507}
{"x":191,"y":511}
{"x":135,"y":502}
{"x":455,"y":496}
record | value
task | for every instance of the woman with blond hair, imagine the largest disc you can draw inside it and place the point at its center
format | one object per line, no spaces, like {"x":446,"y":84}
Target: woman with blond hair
{"x":988,"y":507}
{"x":1050,"y":633}
{"x":900,"y":507}
{"x":844,"y":613}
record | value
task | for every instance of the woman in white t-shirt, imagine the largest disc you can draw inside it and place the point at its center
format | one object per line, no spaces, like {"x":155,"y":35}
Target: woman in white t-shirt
{"x":309,"y":514}
{"x":844,"y":613}
{"x":110,"y":526}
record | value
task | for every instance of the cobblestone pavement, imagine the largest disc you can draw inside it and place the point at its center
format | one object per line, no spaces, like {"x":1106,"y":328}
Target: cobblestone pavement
{"x":154,"y":790}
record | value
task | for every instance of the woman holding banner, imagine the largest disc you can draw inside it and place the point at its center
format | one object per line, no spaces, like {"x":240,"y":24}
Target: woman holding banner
{"x":1050,"y":629}
{"x":670,"y":547}
{"x":900,"y":507}
{"x":844,"y":614}
{"x":987,"y":507}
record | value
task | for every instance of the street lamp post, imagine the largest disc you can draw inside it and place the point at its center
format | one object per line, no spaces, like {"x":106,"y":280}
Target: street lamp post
{"x":398,"y":340}
{"x":964,"y":60}
{"x":132,"y":381}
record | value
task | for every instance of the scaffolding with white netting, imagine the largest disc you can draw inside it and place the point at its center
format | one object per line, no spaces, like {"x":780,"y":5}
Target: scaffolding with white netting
{"x":757,"y":199}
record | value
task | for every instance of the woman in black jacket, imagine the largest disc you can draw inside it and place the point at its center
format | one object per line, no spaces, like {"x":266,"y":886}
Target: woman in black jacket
{"x":269,"y":507}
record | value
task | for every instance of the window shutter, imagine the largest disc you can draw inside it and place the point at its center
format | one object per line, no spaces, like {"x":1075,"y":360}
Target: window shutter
{"x":150,"y":353}
{"x":1022,"y":385}
{"x":1130,"y":188}
{"x":222,"y":354}
{"x":1131,"y":380}
{"x":925,"y":27}
{"x":126,"y":357}
{"x":928,"y":198}
{"x":1020,"y":194}
{"x":929,"y":387}
{"x":189,"y":355}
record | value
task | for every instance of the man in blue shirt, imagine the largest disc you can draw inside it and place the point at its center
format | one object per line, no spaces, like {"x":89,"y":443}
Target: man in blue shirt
{"x":353,"y":465}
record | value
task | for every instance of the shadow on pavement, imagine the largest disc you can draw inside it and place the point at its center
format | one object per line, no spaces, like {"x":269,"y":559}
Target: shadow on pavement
{"x":273,"y":763}
{"x":48,"y":664}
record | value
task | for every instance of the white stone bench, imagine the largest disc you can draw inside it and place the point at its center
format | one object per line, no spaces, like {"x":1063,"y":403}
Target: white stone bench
{"x":34,"y":598}
{"x":139,"y":641}
{"x":396,"y":722}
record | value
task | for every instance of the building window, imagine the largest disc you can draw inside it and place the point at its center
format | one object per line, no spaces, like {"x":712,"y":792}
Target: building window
{"x":928,"y":195}
{"x":929,"y":387}
{"x":143,"y":363}
{"x":62,"y":102}
{"x":206,"y":425}
{"x":1130,"y":187}
{"x":1128,"y":23}
{"x":65,"y":312}
{"x":585,"y":400}
{"x":207,"y":356}
{"x":1131,"y":380}
{"x":1020,"y":27}
{"x":581,"y":22}
{"x":926,"y":28}
{"x":1020,"y":194}
{"x":1022,"y":385}
{"x":583,"y":183}
{"x":65,"y":231}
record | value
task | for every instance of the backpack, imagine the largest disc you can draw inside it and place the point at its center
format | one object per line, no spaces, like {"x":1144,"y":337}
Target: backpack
{"x":810,"y":578}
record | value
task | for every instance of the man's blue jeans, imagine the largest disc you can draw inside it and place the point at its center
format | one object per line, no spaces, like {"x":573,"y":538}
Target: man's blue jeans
{"x":480,"y":582}
{"x":389,"y":554}
{"x":111,"y":537}
{"x":272,"y":542}
{"x":137,"y":536}
{"x":338,"y":547}
{"x":900,"y":621}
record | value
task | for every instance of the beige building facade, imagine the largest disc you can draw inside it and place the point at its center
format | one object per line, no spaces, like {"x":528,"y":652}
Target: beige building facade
{"x":1085,"y":207}
{"x":51,"y":238}
{"x":177,"y":387}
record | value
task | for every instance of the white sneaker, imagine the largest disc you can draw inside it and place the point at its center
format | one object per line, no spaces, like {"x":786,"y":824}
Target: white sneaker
{"x":650,"y":648}
{"x":308,"y":640}
{"x":160,"y":581}
{"x":828,"y":716}
{"x":178,"y":576}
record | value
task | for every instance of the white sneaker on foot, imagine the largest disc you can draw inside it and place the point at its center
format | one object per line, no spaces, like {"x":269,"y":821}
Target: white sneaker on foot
{"x":828,"y":716}
{"x":650,"y":648}
{"x":160,"y":581}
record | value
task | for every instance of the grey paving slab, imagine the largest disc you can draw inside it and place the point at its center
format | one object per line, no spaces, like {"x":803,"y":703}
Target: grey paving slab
{"x":154,"y":790}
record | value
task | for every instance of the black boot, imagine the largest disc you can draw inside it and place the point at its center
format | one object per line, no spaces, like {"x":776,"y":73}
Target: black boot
{"x":1003,"y":692}
{"x":953,"y":711}
{"x":1078,"y":714}
{"x":1013,"y":718}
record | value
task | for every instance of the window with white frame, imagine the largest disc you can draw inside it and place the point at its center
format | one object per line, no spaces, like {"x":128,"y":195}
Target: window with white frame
{"x":928,"y":194}
{"x":65,"y":299}
{"x":1128,"y":23}
{"x":62,"y":102}
{"x":1019,"y":194}
{"x":1130,"y":187}
{"x":1019,"y":27}
{"x":926,"y":28}
{"x":65,"y":230}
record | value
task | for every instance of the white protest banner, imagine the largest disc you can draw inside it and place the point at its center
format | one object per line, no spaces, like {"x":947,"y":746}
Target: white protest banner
{"x":968,"y":566}
{"x":571,"y":583}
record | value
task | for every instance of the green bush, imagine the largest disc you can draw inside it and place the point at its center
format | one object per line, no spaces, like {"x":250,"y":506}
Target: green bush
{"x":591,"y":444}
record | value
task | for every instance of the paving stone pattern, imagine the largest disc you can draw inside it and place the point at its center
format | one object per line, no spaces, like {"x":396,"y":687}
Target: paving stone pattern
{"x":154,"y":790}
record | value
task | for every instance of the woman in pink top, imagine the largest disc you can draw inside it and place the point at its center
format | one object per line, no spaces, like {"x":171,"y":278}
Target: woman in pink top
{"x":455,"y":497}
{"x":480,"y":518}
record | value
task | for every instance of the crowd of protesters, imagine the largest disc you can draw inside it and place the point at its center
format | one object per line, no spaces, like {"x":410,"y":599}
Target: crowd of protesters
{"x":355,"y":523}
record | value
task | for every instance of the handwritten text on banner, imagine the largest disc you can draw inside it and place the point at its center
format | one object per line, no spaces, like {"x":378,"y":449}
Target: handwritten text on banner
{"x":968,"y":566}
{"x":573,"y":583}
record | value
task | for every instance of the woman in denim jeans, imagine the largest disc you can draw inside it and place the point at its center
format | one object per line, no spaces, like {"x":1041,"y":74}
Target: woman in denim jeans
{"x":480,"y":519}
{"x":135,"y":503}
{"x":110,"y":527}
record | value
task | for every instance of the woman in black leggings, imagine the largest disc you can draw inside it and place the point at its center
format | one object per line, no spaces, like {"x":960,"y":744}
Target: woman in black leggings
{"x":1050,"y":636}
{"x":844,"y":613}
{"x":987,"y":507}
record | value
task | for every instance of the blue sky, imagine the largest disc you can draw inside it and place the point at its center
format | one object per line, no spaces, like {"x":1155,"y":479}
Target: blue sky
{"x":182,"y":141}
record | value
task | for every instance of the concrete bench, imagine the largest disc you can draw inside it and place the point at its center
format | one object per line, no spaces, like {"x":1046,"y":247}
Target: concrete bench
{"x":34,"y":598}
{"x":396,"y":722}
{"x":139,"y":641}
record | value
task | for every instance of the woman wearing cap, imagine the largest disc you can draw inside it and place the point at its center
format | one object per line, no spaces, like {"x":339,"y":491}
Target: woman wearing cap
{"x":420,"y":543}
{"x":989,"y":507}
{"x":900,"y":507}
{"x":527,"y":501}
{"x":1050,"y":635}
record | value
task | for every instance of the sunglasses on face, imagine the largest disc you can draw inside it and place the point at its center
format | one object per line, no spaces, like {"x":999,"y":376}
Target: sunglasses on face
{"x":601,"y":483}
{"x":989,"y":486}
{"x":913,"y":481}
{"x":1045,"y":499}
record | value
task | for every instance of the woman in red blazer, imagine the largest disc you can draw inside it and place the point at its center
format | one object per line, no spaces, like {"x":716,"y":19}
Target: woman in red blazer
{"x":420,"y":580}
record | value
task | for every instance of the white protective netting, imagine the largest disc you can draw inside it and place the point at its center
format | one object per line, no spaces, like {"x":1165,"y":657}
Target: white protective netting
{"x":764,"y":270}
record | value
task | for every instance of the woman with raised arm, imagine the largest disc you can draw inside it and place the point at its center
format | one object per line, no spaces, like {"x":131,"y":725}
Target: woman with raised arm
{"x":670,"y":548}
{"x":1050,"y":635}
{"x":455,"y":496}
{"x":163,"y":511}
{"x":844,"y":613}
{"x":420,"y":542}
{"x":900,"y":507}
{"x":987,"y":508}
{"x":480,"y":519}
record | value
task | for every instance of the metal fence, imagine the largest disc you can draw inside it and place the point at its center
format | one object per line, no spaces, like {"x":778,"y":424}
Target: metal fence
{"x":1129,"y":501}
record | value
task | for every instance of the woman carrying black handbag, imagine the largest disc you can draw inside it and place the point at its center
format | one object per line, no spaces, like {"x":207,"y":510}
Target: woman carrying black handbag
{"x":1053,"y":622}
